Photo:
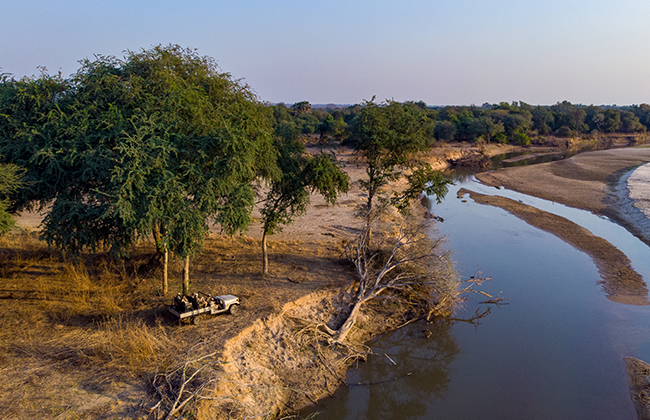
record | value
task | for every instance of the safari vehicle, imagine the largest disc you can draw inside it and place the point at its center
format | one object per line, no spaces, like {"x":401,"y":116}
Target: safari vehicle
{"x":196,"y":307}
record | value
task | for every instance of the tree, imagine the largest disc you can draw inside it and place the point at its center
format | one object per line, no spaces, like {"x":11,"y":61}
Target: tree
{"x":445,"y":131}
{"x":388,"y":136}
{"x":331,"y":126}
{"x":301,"y":108}
{"x":465,"y":122}
{"x":288,"y":196}
{"x":406,"y":261}
{"x":630,"y":123}
{"x":542,"y":119}
{"x":10,"y":181}
{"x":160,"y":142}
{"x":487,"y":127}
{"x":612,"y":120}
{"x":642,"y":112}
{"x":598,"y":120}
{"x":569,"y":115}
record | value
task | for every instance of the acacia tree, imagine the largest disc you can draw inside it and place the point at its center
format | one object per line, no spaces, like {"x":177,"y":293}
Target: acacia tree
{"x":161,"y":141}
{"x":388,"y":136}
{"x":288,"y":196}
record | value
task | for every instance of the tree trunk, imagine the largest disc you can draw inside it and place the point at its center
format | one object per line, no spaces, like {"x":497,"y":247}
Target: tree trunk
{"x":265,"y":255}
{"x":165,"y":285}
{"x":342,"y":332}
{"x":156,"y":237}
{"x":371,"y":194}
{"x":186,"y":276}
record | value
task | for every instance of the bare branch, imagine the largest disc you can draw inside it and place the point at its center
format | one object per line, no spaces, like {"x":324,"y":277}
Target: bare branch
{"x":404,"y":258}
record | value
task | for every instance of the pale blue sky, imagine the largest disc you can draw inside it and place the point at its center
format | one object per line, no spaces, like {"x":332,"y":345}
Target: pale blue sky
{"x":441,"y":52}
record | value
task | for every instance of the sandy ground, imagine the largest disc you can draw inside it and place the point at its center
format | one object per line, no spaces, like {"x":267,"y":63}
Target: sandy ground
{"x":274,"y":369}
{"x":589,"y":181}
{"x":638,"y":373}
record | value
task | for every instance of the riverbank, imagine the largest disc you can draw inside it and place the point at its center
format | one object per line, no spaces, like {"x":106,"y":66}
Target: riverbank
{"x":100,"y":328}
{"x":611,"y":183}
{"x":593,"y":181}
{"x":266,"y":358}
{"x":620,"y":281}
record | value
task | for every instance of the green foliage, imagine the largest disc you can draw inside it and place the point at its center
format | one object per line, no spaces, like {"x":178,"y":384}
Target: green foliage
{"x":630,"y":123}
{"x":445,"y":131}
{"x":388,"y":136}
{"x":302,"y":174}
{"x":501,"y":123}
{"x":522,"y":139}
{"x":301,"y":108}
{"x":10,"y":182}
{"x":611,"y":121}
{"x":569,"y":115}
{"x":158,"y":141}
{"x":542,"y":120}
{"x":422,"y":179}
{"x":336,"y":128}
{"x":642,"y":112}
{"x":564,"y":131}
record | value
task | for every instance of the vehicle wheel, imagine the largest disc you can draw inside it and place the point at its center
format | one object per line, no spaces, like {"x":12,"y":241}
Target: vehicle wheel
{"x":234,"y":308}
{"x":197,"y":319}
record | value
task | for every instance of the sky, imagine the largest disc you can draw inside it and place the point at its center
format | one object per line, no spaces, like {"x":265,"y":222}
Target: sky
{"x":454,"y":52}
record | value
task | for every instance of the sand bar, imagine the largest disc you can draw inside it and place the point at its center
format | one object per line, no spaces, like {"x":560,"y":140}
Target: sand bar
{"x":620,"y":281}
{"x":593,"y":181}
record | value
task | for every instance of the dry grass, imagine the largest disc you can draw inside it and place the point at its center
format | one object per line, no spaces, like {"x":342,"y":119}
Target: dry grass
{"x":130,"y":345}
{"x":82,"y":338}
{"x":69,"y":325}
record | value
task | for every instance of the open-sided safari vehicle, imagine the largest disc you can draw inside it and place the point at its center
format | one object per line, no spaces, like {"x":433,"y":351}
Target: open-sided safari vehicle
{"x":195,"y":307}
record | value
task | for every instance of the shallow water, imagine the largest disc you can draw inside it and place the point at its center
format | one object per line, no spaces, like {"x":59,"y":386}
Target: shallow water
{"x":532,"y":158}
{"x":554,"y":352}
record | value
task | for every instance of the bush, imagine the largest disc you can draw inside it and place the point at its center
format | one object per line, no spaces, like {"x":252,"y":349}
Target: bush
{"x":564,"y":131}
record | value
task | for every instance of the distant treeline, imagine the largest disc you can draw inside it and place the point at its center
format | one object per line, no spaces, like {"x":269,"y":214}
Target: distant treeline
{"x":516,"y":123}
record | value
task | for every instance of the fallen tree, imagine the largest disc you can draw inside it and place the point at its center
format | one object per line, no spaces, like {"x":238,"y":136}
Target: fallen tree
{"x":406,"y":262}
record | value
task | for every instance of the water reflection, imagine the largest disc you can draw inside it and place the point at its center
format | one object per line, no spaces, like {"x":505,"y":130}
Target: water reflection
{"x":524,"y":158}
{"x":555,"y":352}
{"x":410,"y":369}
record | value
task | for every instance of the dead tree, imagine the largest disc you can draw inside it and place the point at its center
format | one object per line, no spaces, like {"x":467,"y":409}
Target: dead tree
{"x":180,"y":384}
{"x":408,"y":259}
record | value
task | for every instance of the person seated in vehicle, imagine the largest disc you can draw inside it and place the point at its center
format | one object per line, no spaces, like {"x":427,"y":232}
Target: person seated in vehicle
{"x":181,"y":303}
{"x":218,"y":302}
{"x":194,"y":300}
{"x":178,"y":302}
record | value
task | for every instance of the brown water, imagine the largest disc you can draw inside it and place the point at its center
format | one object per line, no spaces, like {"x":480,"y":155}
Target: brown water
{"x":554,"y":352}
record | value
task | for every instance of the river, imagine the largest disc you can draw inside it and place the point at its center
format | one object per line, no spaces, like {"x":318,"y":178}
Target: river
{"x":554,"y":351}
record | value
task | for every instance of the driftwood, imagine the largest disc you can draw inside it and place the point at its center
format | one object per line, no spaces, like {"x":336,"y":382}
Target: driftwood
{"x":180,"y":384}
